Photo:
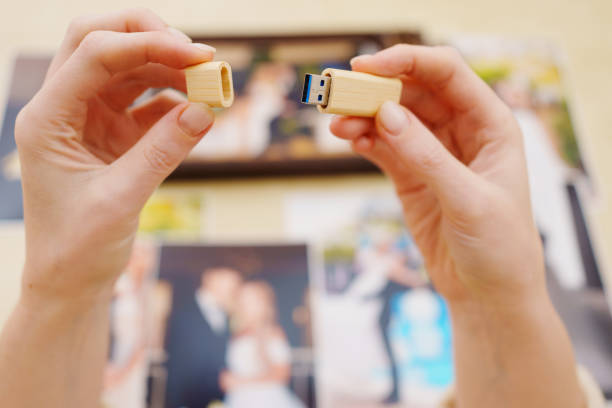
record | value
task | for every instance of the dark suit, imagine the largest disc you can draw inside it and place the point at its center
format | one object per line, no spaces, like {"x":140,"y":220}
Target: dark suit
{"x":387,"y":294}
{"x":196,"y":357}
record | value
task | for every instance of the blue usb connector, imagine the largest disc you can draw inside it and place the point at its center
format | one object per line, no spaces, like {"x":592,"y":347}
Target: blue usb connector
{"x":316,"y":89}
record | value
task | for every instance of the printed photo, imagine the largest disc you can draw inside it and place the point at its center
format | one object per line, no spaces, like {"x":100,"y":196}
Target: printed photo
{"x":372,"y":299}
{"x":362,"y":247}
{"x":134,"y":335}
{"x":27,"y":77}
{"x":237,"y":328}
{"x":528,"y":76}
{"x":174,"y":213}
{"x":267,"y":131}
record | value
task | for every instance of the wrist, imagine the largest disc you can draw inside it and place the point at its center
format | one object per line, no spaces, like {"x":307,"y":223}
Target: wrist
{"x":32,"y":302}
{"x":524,"y":310}
{"x":51,"y":289}
{"x":518,"y":353}
{"x":506,"y":284}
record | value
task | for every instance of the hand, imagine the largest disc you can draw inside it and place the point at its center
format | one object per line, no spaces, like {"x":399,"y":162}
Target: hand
{"x":455,"y":154}
{"x":89,"y":159}
{"x":228,"y":381}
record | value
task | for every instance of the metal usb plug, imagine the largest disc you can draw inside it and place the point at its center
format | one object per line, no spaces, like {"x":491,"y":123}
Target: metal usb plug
{"x":316,"y":89}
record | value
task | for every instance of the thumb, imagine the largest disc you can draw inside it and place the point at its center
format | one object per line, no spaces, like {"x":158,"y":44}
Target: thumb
{"x":423,"y":155}
{"x":142,"y":168}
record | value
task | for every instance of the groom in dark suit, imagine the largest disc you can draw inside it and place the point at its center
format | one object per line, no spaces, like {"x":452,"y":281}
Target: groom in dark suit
{"x":197,"y":338}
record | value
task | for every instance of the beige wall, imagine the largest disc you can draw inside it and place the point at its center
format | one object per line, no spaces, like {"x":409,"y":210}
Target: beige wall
{"x":582,"y":28}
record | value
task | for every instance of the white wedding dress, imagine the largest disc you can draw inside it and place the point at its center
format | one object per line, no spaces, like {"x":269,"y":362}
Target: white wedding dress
{"x":244,"y":359}
{"x":548,"y":176}
{"x":129,"y":329}
{"x":351,"y":359}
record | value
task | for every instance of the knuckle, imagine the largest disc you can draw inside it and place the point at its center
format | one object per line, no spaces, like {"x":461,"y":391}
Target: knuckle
{"x":141,"y":13}
{"x":158,"y":159}
{"x":453,"y":63}
{"x":78,"y":27}
{"x":94,"y":41}
{"x":22,"y":126}
{"x":402,"y":49}
{"x":450,"y":53}
{"x":157,"y":37}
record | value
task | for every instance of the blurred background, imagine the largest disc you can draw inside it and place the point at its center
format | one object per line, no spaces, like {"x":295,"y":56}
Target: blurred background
{"x":286,"y":181}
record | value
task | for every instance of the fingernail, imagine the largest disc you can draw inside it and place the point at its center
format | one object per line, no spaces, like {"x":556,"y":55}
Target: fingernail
{"x":178,"y":34}
{"x":195,"y":119}
{"x":204,"y":47}
{"x":393,"y":118}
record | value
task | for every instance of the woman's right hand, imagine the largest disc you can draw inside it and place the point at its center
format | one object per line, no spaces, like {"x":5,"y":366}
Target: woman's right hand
{"x":90,"y":159}
{"x":454,"y":152}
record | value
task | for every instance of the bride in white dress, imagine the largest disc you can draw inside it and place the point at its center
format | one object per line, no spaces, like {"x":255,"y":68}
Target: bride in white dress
{"x":258,"y":355}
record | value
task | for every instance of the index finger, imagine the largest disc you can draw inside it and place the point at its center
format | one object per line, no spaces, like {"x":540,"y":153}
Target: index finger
{"x":103,"y":54}
{"x":441,"y":69}
{"x":130,"y":20}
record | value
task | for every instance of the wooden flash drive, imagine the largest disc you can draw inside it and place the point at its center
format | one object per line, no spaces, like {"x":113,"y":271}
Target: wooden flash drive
{"x":349,"y":92}
{"x":210,"y":83}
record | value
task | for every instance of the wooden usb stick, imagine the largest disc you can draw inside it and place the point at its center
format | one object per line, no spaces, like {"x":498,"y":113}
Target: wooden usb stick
{"x":210,"y":83}
{"x":349,"y":92}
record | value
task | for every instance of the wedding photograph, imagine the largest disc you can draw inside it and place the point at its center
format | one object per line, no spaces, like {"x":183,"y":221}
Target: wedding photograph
{"x":372,"y":296}
{"x":238,"y":329}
